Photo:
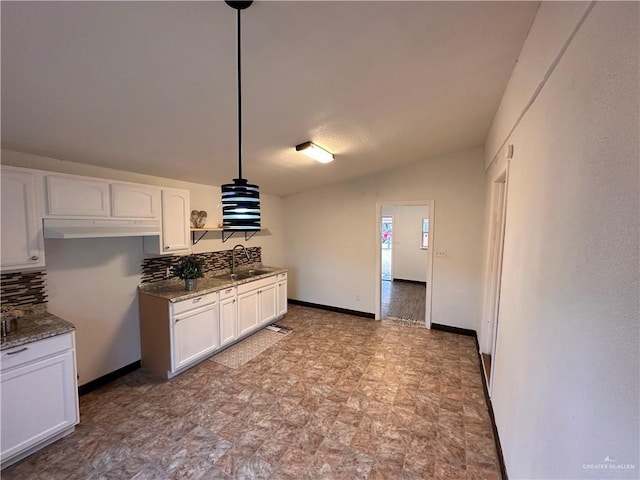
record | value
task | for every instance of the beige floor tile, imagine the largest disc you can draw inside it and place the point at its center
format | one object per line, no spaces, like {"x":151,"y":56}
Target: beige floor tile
{"x":339,"y":397}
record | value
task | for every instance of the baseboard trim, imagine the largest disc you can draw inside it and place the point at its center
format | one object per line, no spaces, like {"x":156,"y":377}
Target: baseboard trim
{"x":460,"y":331}
{"x":485,"y":387}
{"x":409,"y":281}
{"x":332,"y":309}
{"x":108,"y":378}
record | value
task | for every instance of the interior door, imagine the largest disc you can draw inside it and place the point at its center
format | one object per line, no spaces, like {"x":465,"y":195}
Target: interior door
{"x":495,"y":274}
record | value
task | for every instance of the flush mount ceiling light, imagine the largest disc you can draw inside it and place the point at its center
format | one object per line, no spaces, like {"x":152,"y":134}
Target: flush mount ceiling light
{"x":312,"y":150}
{"x":240,"y":199}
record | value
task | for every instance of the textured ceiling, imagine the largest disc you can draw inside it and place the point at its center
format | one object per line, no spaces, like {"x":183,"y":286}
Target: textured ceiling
{"x":150,"y":87}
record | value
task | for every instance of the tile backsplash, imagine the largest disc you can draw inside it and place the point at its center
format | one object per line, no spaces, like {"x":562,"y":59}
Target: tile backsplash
{"x":155,"y":269}
{"x":21,"y":289}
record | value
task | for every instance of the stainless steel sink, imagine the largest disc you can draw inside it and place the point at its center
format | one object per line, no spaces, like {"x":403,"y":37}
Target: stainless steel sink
{"x":258,"y":272}
{"x":244,"y":274}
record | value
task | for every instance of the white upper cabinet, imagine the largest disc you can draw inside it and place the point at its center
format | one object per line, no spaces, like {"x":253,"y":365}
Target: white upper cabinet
{"x":176,"y":220}
{"x":22,"y":238}
{"x":77,"y":196}
{"x":135,"y":201}
{"x":176,"y":224}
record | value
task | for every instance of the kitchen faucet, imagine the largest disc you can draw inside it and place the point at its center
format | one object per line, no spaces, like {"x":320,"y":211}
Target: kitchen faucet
{"x":233,"y":257}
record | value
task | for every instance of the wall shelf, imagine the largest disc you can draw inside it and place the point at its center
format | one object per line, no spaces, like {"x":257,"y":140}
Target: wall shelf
{"x":200,"y":233}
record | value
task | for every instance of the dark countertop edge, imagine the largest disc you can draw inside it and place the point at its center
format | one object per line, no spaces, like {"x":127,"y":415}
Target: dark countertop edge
{"x":177,"y":295}
{"x":54,"y":326}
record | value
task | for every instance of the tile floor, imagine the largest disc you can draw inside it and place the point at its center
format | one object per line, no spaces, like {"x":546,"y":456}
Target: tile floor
{"x":341,"y":397}
{"x":403,"y":300}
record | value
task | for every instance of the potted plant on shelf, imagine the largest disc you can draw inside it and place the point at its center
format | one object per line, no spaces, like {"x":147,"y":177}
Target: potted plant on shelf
{"x":189,"y":268}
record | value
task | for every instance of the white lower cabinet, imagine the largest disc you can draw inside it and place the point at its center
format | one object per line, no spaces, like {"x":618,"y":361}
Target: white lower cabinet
{"x":228,"y":316}
{"x":195,"y":334}
{"x":257,"y":304}
{"x":177,"y":335}
{"x":39,"y":395}
{"x":247,"y":311}
{"x":268,"y":304}
{"x":282,"y":294}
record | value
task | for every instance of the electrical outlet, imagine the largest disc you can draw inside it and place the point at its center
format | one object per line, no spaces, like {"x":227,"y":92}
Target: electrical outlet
{"x":440,"y":253}
{"x":357,"y":298}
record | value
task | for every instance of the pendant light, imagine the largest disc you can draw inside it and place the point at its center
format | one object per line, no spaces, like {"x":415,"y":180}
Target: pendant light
{"x":240,"y":199}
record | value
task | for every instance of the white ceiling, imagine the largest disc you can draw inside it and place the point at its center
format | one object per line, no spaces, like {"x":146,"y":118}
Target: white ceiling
{"x":150,"y":87}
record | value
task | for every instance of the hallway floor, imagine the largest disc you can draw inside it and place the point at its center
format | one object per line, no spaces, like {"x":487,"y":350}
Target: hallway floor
{"x":341,"y":397}
{"x":403,"y":300}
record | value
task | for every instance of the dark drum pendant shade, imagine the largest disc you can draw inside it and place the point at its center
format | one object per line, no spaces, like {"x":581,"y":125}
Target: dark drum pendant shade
{"x":240,"y":199}
{"x":240,"y":206}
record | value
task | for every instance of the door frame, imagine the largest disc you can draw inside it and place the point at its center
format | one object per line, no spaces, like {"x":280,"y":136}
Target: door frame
{"x":498,"y":217}
{"x":428,"y":266}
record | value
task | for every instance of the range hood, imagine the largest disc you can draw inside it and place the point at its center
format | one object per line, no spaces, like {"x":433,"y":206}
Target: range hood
{"x":98,"y":228}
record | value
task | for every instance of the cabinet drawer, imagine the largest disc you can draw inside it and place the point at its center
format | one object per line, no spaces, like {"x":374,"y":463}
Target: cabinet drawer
{"x":14,"y":357}
{"x":247,"y":287}
{"x":227,"y":293}
{"x":186,"y":305}
{"x":282,"y":276}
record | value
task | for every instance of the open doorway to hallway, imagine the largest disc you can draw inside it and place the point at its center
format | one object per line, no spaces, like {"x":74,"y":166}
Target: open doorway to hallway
{"x":404,"y":262}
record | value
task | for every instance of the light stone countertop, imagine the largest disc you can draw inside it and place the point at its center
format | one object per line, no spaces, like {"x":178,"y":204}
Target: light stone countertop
{"x":173,"y":289}
{"x":36,"y":324}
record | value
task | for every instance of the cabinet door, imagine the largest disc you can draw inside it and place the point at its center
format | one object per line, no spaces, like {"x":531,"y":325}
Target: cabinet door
{"x":282,"y":296}
{"x":39,"y":400}
{"x":22,"y":239}
{"x":268,"y":300}
{"x":77,"y":196}
{"x":175,"y":220}
{"x":228,"y":320}
{"x":247,"y":311}
{"x":135,"y":201}
{"x":195,"y":334}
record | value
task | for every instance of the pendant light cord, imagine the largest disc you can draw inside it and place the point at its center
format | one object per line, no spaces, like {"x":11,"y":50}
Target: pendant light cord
{"x":239,"y":103}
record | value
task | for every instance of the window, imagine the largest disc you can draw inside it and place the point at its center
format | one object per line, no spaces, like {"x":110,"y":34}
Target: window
{"x":387,"y":231}
{"x":425,"y":233}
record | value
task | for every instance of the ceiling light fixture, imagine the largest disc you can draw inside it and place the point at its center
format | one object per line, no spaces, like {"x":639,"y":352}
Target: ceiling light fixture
{"x":240,"y":199}
{"x":312,"y":150}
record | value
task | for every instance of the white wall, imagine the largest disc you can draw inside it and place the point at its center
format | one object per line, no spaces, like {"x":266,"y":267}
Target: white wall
{"x":92,"y":282}
{"x":566,"y":377}
{"x":409,"y":260}
{"x":332,"y":236}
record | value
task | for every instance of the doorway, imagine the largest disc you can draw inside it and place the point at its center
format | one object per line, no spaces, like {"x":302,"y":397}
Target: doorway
{"x":404,"y":261}
{"x":494,"y":275}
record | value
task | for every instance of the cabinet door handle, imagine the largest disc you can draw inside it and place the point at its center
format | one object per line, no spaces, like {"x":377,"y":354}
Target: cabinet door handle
{"x":34,"y":258}
{"x":23,"y":349}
